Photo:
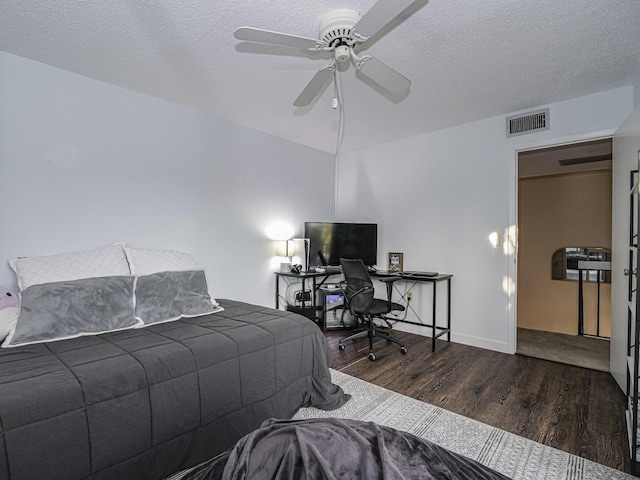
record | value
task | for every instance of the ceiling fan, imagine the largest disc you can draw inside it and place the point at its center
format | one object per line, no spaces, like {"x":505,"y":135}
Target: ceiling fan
{"x":341,"y":32}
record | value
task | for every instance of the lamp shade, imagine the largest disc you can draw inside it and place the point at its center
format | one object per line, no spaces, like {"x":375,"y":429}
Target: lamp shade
{"x":285,"y":248}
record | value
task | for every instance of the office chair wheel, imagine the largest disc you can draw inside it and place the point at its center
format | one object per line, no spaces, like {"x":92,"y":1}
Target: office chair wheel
{"x":372,"y":357}
{"x":403,"y":350}
{"x":340,"y":346}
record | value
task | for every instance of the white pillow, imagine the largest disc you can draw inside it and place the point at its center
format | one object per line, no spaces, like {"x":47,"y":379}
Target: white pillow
{"x":8,"y":318}
{"x":144,"y":261}
{"x":100,"y":262}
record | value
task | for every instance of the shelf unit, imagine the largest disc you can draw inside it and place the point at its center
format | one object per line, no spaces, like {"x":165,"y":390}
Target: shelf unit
{"x":333,"y":311}
{"x":633,"y":328}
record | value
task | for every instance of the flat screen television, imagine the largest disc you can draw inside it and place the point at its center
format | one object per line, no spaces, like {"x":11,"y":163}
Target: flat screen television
{"x":330,"y":241}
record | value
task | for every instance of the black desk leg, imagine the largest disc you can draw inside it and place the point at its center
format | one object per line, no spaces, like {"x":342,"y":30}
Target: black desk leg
{"x":277,"y":292}
{"x":433,"y":325}
{"x":313,"y":299}
{"x":448,"y":309}
{"x":303,"y":295}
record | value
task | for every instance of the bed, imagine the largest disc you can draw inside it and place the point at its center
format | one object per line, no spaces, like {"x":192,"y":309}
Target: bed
{"x":167,"y":385}
{"x":144,"y":403}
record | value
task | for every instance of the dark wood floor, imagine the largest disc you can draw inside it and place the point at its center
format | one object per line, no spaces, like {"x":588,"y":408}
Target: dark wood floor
{"x":570,"y":408}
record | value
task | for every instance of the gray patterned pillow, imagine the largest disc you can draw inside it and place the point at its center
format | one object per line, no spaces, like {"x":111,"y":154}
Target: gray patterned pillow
{"x":69,"y":309}
{"x":166,"y":296}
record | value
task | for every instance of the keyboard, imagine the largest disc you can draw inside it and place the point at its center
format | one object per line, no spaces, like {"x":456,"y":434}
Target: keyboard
{"x":329,"y":269}
{"x":416,"y":273}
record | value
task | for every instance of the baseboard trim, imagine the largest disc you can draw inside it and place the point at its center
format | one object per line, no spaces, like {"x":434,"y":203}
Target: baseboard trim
{"x":470,"y":340}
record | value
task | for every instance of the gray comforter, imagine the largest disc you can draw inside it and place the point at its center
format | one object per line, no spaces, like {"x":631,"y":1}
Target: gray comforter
{"x":145,"y":403}
{"x":328,"y":449}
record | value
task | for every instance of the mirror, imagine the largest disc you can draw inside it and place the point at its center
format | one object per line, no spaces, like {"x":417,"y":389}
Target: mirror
{"x":564,"y":264}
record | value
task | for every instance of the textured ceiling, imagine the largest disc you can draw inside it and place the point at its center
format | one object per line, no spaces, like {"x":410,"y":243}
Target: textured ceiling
{"x":467,"y":59}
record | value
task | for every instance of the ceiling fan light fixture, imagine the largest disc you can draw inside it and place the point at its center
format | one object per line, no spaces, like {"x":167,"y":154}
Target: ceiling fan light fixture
{"x":343,"y":53}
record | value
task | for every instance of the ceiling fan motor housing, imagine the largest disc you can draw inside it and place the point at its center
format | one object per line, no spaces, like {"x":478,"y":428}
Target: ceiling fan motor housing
{"x":335,"y":29}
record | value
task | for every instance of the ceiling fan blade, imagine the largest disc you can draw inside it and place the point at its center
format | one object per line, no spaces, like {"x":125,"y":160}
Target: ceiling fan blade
{"x":251,"y":34}
{"x":382,"y":12}
{"x":312,"y":89}
{"x":383,"y":75}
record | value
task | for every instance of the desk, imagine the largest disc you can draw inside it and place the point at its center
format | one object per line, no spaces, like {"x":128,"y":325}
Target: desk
{"x":436,"y":331}
{"x":310,"y":311}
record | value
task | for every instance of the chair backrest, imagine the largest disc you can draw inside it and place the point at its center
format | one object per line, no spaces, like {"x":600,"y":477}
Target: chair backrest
{"x":359,"y":287}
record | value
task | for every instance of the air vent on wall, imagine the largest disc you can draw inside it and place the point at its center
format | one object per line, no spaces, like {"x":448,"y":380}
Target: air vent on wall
{"x":528,"y":123}
{"x":579,"y":161}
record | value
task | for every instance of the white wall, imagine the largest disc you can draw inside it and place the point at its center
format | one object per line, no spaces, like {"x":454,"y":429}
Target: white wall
{"x":83,"y":164}
{"x":626,"y":144}
{"x":438,"y":196}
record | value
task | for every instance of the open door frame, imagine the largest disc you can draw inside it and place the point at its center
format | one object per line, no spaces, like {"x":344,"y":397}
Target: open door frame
{"x":511,"y":282}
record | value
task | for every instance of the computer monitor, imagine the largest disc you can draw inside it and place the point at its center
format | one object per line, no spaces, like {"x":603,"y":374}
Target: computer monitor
{"x":331,"y":241}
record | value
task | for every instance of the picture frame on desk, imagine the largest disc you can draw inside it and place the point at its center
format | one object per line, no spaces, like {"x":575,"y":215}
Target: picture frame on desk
{"x":396,"y":261}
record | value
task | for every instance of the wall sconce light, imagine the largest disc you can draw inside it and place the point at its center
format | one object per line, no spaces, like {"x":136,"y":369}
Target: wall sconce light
{"x":495,"y":239}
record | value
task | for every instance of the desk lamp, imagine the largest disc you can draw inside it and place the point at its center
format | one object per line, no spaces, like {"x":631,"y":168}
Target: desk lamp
{"x":285,"y":248}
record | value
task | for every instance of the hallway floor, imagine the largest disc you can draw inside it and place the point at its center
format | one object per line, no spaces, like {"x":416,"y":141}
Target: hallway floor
{"x":587,"y":352}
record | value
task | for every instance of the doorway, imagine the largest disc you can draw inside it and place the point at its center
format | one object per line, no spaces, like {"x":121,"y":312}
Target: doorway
{"x":564,"y":213}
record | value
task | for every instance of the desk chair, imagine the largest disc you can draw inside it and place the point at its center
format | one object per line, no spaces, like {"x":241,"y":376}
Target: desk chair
{"x":358,"y":291}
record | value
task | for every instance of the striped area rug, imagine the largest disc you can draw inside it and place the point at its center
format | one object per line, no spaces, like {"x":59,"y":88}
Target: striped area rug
{"x":511,"y":455}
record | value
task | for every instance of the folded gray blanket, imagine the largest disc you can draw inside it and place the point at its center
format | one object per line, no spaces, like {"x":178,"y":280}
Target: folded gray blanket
{"x":327,"y":449}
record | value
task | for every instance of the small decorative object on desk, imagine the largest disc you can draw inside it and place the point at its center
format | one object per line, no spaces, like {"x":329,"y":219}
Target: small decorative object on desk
{"x":285,"y":267}
{"x":395,"y":261}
